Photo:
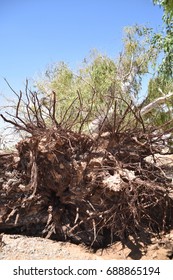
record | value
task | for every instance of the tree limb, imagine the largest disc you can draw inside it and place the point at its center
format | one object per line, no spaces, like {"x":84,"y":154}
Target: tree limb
{"x":158,"y":101}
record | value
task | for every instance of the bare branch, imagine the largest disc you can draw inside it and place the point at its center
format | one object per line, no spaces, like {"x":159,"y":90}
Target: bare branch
{"x":154,"y":104}
{"x":11,"y":87}
{"x":15,"y":124}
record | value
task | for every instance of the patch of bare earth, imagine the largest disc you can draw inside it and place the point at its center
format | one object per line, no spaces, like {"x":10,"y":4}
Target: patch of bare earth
{"x":17,"y":247}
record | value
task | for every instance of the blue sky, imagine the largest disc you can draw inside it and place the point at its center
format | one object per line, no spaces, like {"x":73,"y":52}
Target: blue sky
{"x":37,"y":33}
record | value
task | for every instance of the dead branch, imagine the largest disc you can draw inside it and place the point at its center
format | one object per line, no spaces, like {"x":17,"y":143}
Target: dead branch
{"x":154,"y":104}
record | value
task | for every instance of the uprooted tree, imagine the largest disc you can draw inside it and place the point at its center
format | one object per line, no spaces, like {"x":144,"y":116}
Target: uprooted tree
{"x":68,"y":185}
{"x":86,"y":170}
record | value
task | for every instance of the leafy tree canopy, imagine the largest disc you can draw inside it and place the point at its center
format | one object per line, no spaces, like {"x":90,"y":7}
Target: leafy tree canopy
{"x":101,"y":82}
{"x":167,"y":6}
{"x":165,"y":40}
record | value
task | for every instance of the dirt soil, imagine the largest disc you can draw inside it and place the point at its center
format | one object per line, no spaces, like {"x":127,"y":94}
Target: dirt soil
{"x":17,"y":247}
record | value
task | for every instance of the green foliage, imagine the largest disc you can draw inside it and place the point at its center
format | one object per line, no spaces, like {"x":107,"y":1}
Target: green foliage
{"x":165,"y":40}
{"x":139,"y":55}
{"x":162,"y":82}
{"x":167,"y":6}
{"x":80,"y":95}
{"x":164,"y":113}
{"x":101,"y":83}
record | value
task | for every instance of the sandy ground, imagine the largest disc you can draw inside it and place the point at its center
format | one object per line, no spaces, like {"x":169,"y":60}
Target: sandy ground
{"x":18,"y":247}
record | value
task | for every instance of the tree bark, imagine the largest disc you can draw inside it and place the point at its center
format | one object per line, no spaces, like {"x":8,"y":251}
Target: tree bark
{"x":154,"y":104}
